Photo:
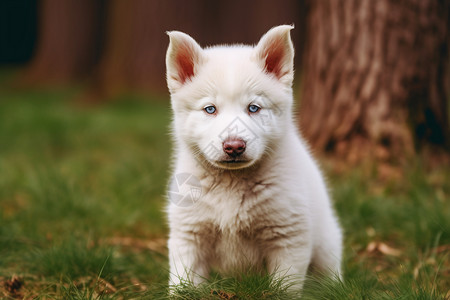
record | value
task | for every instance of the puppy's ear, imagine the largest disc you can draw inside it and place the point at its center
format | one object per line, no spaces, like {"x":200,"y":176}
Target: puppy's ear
{"x":183,"y":58}
{"x":275,"y":53}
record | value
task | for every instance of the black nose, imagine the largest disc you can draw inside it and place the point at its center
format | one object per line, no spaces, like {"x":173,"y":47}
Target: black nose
{"x":233,"y":146}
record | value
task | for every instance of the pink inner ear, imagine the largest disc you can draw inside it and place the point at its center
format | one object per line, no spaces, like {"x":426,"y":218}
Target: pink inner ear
{"x":185,"y":63}
{"x":274,"y":55}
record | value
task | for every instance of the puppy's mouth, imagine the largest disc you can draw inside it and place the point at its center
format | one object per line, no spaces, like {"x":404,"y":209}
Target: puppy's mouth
{"x":234,"y":163}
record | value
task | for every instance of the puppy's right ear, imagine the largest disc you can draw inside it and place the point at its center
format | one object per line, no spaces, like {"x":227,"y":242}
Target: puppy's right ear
{"x":183,"y":58}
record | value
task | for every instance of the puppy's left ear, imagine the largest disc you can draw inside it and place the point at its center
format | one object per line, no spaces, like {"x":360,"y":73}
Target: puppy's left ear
{"x":275,"y":53}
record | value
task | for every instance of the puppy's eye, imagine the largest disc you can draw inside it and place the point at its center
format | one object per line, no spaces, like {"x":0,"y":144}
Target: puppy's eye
{"x":210,"y":109}
{"x":253,"y":108}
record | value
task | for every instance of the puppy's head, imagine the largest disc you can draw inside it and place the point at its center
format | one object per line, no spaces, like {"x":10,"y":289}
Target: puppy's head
{"x":231,"y":104}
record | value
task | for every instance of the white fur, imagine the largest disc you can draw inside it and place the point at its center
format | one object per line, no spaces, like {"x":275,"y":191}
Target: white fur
{"x":272,"y":210}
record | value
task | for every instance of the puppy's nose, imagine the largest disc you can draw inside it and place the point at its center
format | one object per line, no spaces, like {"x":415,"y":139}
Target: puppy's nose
{"x":233,"y":146}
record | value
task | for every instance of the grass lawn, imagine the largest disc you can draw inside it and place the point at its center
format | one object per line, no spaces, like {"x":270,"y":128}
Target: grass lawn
{"x":82,"y":198}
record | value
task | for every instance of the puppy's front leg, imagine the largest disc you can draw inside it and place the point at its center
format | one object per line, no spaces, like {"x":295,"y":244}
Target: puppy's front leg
{"x":187,"y":262}
{"x":290,"y":262}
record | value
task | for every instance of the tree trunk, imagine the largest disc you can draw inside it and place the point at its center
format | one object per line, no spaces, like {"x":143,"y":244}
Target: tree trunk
{"x":374,"y":79}
{"x":68,"y":41}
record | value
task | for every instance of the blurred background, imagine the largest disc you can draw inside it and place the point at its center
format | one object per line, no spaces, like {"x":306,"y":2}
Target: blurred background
{"x":117,"y":45}
{"x":85,"y":144}
{"x":370,"y":74}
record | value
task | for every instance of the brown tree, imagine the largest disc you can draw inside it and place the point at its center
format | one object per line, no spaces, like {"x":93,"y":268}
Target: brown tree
{"x":374,"y":76}
{"x":69,"y":38}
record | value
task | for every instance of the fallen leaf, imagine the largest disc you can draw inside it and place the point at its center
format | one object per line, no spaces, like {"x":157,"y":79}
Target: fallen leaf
{"x":13,"y":285}
{"x":105,"y":287}
{"x":382,"y":248}
{"x":385,"y":249}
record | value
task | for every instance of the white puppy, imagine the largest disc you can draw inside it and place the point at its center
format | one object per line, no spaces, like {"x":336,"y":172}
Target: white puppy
{"x":245,"y":192}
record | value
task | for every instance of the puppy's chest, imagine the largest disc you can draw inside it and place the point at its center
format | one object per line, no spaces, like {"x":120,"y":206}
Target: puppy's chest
{"x":237,"y":229}
{"x":240,"y":212}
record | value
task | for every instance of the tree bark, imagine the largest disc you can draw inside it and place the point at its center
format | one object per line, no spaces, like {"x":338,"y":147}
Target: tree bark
{"x":374,"y":77}
{"x":69,"y":38}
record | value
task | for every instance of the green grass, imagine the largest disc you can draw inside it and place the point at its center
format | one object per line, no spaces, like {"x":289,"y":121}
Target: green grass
{"x":82,"y":199}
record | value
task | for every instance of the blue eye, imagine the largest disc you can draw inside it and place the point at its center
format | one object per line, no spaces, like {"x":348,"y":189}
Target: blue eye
{"x":210,"y":109}
{"x":253,"y":108}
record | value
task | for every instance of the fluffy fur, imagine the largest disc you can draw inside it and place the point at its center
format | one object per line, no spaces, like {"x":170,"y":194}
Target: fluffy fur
{"x":267,"y":209}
